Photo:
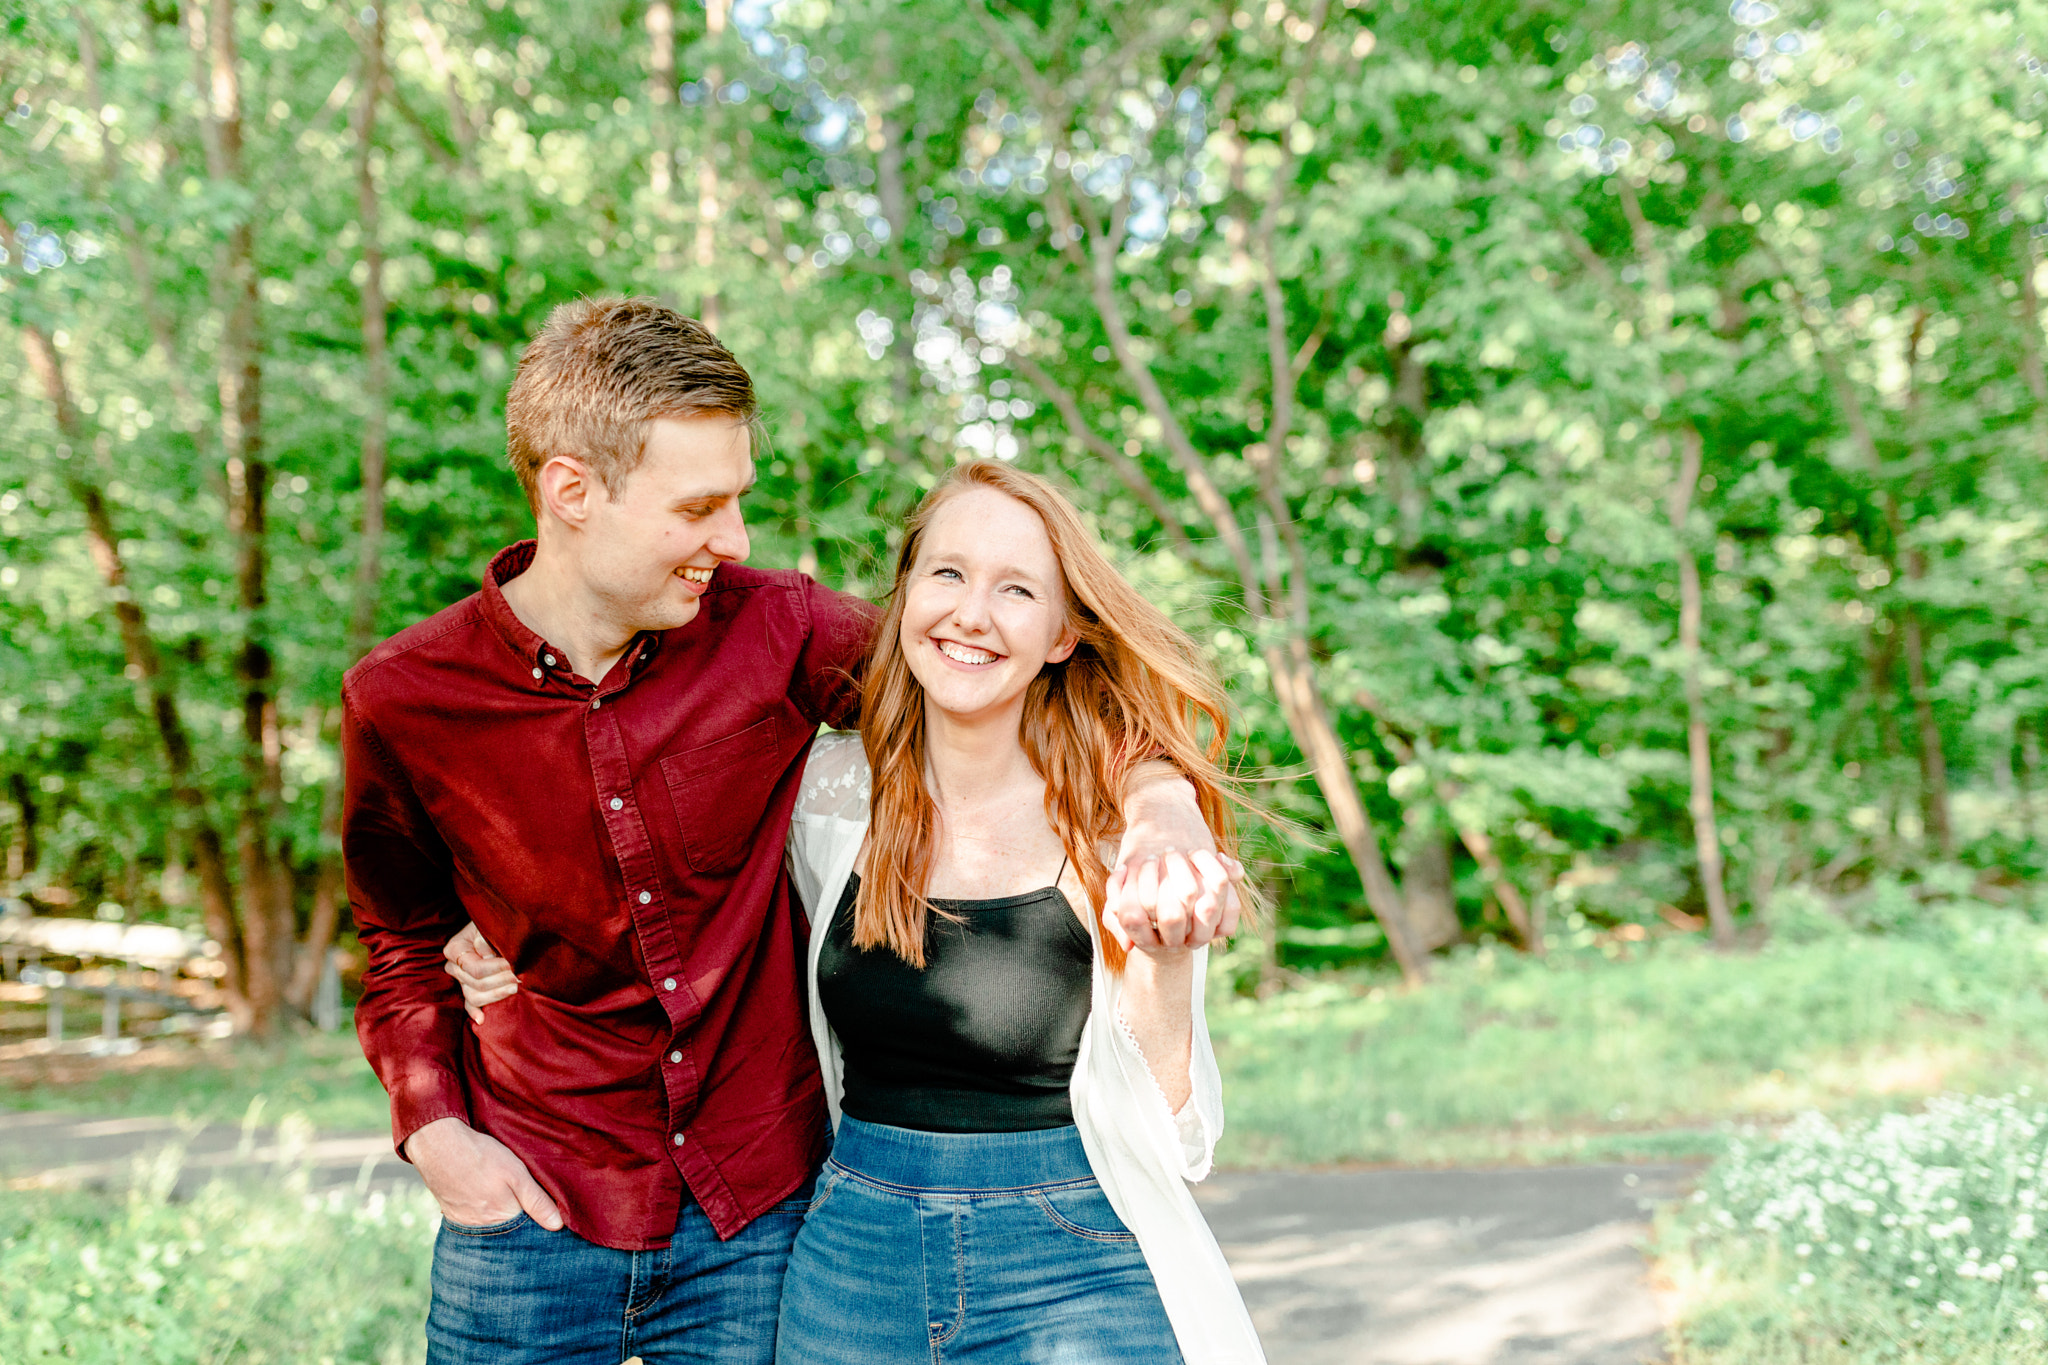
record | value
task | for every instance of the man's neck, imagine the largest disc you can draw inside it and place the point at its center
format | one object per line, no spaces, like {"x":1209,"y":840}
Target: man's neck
{"x":552,"y":603}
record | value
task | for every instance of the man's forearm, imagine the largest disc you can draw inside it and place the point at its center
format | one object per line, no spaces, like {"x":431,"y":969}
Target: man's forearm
{"x":410,"y":1023}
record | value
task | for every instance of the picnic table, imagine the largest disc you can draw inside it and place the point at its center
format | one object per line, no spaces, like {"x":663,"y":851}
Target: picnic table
{"x":151,"y":964}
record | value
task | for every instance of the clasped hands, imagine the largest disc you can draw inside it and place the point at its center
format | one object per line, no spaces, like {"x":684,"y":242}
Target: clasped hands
{"x":1170,"y":890}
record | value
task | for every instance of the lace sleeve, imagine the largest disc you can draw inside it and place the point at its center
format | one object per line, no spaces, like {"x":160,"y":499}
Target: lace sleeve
{"x":835,"y":784}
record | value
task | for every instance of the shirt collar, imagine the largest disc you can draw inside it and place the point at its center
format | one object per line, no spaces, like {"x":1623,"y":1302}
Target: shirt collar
{"x":534,"y":652}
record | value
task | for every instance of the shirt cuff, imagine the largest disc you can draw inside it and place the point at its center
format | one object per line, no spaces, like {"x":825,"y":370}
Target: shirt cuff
{"x":424,"y":1100}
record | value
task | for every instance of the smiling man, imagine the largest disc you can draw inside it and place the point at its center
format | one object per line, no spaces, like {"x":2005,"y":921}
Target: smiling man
{"x":594,"y":759}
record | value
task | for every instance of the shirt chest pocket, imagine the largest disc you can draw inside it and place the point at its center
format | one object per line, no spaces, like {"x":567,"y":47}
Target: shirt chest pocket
{"x":719,"y":791}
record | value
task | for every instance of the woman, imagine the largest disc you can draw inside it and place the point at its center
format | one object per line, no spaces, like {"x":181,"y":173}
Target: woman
{"x":1018,"y":1097}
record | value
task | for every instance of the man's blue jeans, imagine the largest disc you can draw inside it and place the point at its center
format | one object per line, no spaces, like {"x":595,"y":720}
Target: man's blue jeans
{"x":517,"y":1294}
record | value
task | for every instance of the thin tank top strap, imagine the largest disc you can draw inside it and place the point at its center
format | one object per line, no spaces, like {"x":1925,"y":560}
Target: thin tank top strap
{"x":1064,"y":860}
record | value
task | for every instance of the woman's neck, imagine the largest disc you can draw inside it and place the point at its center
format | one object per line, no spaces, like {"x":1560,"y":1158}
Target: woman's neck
{"x":993,"y":836}
{"x":974,"y":762}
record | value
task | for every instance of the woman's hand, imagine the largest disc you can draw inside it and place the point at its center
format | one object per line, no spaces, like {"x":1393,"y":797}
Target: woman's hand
{"x":484,"y":976}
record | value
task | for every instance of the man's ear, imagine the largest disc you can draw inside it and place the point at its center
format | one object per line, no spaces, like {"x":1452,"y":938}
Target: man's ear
{"x":567,"y":489}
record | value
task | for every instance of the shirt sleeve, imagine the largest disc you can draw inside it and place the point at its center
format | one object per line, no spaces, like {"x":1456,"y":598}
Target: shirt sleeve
{"x":401,"y":893}
{"x":826,"y":687}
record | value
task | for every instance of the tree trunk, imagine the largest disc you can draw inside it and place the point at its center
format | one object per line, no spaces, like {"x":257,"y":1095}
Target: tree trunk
{"x":1505,"y":891}
{"x":1426,"y":890}
{"x":1308,"y":720}
{"x":265,"y":908}
{"x":708,"y":189}
{"x":144,"y":662}
{"x":2031,"y":369}
{"x":1706,"y":830}
{"x":661,"y":93}
{"x":1934,"y":811}
{"x":1933,"y":763}
{"x":2029,"y":777}
{"x":325,"y":919}
{"x":22,"y":853}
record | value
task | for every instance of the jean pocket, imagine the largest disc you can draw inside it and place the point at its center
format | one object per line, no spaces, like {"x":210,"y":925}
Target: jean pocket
{"x":511,"y":1224}
{"x":828,"y":1181}
{"x":1084,"y":1211}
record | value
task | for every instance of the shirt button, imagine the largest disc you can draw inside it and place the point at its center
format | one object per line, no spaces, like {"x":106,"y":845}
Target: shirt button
{"x":679,"y":1139}
{"x":675,"y":1056}
{"x":645,"y":897}
{"x":616,"y":803}
{"x":668,"y":983}
{"x":549,"y":659}
{"x":536,"y":674}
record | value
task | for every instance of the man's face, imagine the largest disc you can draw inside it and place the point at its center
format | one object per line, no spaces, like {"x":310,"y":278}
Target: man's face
{"x":648,"y":554}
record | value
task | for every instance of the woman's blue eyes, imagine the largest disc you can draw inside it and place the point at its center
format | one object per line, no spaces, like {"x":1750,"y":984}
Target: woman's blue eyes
{"x":955,"y":573}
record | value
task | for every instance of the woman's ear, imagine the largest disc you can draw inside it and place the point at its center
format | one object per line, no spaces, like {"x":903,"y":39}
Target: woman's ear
{"x":1064,"y":650}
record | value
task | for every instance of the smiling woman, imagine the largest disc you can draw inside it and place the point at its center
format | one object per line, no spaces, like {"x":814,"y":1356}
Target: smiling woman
{"x":999,"y":1062}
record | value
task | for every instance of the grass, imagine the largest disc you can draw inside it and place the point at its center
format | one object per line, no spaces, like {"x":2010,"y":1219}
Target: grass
{"x":259,"y":1275}
{"x":1502,"y":1059}
{"x":320,"y":1075}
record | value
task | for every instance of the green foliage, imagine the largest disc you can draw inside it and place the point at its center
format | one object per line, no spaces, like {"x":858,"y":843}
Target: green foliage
{"x":1590,"y":1056}
{"x":1909,"y":1237}
{"x":1518,"y":253}
{"x":257,"y":1273}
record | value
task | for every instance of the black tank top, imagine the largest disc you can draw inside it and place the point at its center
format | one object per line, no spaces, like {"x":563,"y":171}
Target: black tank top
{"x":984,"y":1038}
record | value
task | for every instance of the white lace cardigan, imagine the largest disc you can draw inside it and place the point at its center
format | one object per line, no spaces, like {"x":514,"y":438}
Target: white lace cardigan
{"x":1141,"y":1152}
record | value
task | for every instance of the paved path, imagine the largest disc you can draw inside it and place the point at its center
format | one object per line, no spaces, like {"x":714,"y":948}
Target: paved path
{"x":72,"y":1150}
{"x":1498,"y":1267}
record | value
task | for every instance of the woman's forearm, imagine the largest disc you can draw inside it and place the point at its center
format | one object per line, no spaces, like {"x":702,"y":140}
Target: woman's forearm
{"x":1158,"y":989}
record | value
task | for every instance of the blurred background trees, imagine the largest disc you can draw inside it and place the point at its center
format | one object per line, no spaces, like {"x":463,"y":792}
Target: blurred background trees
{"x":1604,"y":445}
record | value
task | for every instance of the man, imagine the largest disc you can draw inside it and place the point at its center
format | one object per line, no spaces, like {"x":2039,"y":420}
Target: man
{"x":595,"y":758}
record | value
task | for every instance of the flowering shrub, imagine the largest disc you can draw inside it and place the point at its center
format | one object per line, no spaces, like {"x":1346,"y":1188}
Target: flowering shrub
{"x":1900,"y":1232}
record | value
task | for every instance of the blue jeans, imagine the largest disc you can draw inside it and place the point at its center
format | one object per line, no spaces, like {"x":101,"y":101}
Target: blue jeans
{"x":517,"y":1294}
{"x":956,"y":1247}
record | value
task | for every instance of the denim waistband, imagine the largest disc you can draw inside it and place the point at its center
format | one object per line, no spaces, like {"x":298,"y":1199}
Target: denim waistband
{"x":952,"y":1162}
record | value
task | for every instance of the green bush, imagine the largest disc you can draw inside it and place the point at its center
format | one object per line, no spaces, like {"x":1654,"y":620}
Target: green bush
{"x":244,"y":1273}
{"x":1907,"y":1237}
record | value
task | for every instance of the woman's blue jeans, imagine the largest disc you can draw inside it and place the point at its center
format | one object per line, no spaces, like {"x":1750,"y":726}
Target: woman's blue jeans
{"x":517,"y":1294}
{"x":957,"y":1247}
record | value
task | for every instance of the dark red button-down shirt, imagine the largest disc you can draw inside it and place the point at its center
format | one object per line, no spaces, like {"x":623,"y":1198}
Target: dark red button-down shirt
{"x":622,"y":845}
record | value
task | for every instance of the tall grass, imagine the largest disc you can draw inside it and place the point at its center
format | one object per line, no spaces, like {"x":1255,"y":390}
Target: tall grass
{"x":259,"y":1274}
{"x":1505,"y":1058}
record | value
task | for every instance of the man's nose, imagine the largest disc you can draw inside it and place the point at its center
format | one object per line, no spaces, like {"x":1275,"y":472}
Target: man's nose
{"x":729,"y":534}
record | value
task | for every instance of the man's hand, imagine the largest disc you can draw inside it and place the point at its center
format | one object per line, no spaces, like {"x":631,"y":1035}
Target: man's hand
{"x":476,"y":1179}
{"x":1170,"y":889}
{"x":485,"y":977}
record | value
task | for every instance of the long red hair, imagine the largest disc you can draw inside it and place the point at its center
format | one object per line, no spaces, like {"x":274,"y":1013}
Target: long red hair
{"x":1136,"y":687}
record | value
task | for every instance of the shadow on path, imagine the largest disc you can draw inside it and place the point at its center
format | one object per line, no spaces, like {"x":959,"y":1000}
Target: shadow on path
{"x":1538,"y":1266}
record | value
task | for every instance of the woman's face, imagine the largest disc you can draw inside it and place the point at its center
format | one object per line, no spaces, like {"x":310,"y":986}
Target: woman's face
{"x":985,"y":607}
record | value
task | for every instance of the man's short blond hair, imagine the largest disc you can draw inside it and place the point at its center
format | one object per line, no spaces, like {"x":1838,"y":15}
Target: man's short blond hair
{"x":600,"y":371}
